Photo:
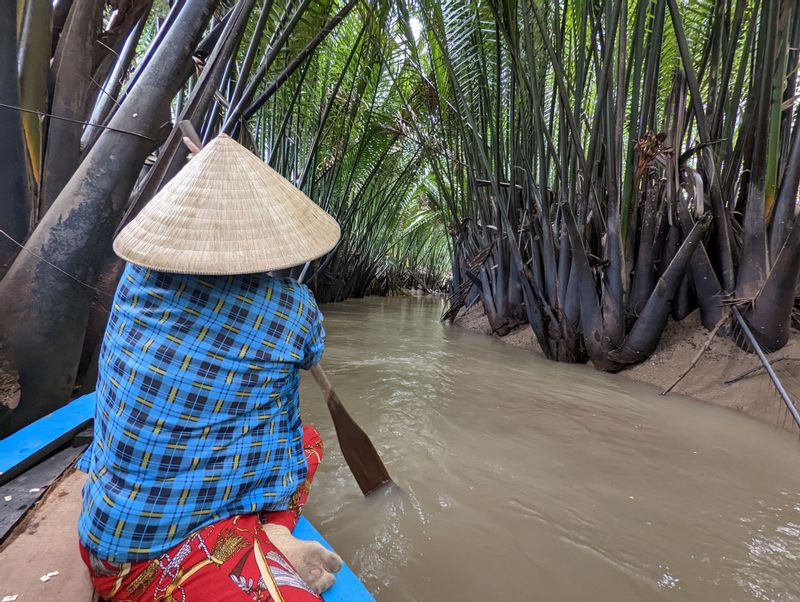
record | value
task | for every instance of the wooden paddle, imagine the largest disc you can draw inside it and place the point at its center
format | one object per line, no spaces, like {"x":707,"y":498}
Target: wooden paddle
{"x":357,"y":449}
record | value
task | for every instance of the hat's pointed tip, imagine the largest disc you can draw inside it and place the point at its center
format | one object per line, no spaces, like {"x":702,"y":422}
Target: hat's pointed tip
{"x":225,"y":195}
{"x":220,"y":139}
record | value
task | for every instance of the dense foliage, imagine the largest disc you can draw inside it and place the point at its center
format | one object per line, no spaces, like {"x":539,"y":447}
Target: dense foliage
{"x":604,"y":163}
{"x":586,"y":167}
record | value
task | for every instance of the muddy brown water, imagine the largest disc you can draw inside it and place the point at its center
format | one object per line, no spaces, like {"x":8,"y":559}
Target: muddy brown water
{"x":525,"y":479}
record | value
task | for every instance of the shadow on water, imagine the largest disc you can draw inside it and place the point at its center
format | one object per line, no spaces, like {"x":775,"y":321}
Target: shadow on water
{"x":525,"y":479}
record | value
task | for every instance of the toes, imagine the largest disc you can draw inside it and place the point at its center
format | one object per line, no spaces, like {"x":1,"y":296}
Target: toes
{"x":332,"y":562}
{"x":324,"y":583}
{"x":323,"y":556}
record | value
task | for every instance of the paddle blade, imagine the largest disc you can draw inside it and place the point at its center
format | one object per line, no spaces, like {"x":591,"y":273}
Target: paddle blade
{"x":357,"y":449}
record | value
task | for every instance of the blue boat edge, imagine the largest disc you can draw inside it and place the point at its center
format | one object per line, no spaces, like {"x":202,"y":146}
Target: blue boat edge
{"x":37,"y":436}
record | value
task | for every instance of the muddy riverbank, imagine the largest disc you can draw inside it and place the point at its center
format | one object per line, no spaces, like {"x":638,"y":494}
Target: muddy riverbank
{"x":723,"y":361}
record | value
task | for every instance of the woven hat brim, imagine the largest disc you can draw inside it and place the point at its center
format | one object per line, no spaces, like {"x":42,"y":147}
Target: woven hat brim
{"x":227,"y":212}
{"x":168,"y":258}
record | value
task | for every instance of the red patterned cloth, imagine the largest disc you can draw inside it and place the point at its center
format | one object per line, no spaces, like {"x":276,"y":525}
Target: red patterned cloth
{"x":230,"y":560}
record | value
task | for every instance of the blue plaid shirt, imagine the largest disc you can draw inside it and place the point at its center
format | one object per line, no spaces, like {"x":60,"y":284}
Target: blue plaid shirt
{"x":197,"y":414}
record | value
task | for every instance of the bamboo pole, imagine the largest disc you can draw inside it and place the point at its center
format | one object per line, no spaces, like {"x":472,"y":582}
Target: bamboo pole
{"x":767,"y":366}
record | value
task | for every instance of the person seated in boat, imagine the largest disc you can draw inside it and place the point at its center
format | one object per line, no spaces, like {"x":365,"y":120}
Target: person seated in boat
{"x":200,"y":463}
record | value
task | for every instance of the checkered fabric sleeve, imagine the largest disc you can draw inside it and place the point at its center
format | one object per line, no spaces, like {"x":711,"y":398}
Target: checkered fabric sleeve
{"x":314,"y":344}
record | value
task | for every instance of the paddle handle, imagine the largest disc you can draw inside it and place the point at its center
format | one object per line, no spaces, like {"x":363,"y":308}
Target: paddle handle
{"x":322,"y":380}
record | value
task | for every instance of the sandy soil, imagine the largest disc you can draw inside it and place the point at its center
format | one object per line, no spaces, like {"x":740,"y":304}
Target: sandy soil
{"x":722,"y":361}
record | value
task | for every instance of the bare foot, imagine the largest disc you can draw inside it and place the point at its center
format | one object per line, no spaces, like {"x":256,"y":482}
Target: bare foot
{"x":313,"y":562}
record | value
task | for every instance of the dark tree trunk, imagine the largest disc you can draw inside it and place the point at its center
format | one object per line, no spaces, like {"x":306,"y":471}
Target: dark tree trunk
{"x":646,"y":332}
{"x":107,"y":99}
{"x":72,"y":86}
{"x":15,"y":202}
{"x":706,"y":283}
{"x":770,"y":315}
{"x":120,"y":25}
{"x":644,"y":271}
{"x":684,"y":302}
{"x":61,"y":10}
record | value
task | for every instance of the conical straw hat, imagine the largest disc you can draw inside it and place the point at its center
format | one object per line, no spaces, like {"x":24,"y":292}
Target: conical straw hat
{"x":227,"y":212}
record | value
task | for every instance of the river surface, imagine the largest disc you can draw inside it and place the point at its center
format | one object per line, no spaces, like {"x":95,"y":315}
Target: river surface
{"x":525,"y":479}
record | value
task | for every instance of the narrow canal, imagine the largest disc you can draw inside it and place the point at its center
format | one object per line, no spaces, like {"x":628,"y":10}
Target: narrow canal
{"x":530,"y":480}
